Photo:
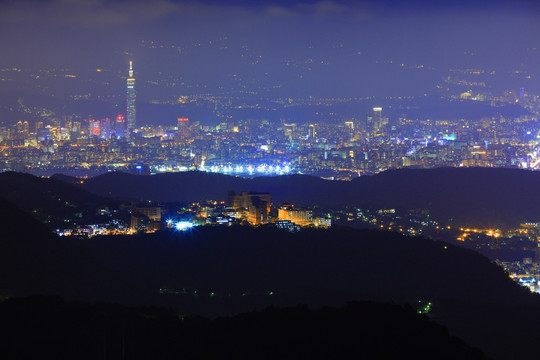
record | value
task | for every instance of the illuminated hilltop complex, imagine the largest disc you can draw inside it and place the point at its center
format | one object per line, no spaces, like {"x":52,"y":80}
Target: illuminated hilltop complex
{"x":245,"y":208}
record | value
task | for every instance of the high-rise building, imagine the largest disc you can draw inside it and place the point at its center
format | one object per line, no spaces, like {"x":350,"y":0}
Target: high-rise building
{"x":131,"y":119}
{"x":43,"y":133}
{"x":145,"y":217}
{"x":256,"y":206}
{"x":183,"y":127}
{"x":377,"y":118}
{"x":75,"y":130}
{"x":302,"y":217}
{"x":377,"y":122}
{"x":22,"y":130}
{"x":311,"y":131}
{"x":94,"y":126}
{"x":120,"y":127}
{"x":290,"y":131}
{"x":39,"y":125}
{"x":105,"y":131}
{"x":350,"y":127}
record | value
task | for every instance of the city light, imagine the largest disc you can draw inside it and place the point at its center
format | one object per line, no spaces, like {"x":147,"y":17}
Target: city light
{"x":183,"y":225}
{"x":242,"y":169}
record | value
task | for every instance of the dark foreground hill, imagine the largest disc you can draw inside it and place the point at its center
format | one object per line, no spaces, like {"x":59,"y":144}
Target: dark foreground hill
{"x":479,"y":197}
{"x":216,"y":271}
{"x":34,"y":260}
{"x":60,"y":330}
{"x":244,"y":266}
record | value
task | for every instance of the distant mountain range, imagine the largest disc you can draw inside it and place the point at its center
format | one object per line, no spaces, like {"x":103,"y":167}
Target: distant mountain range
{"x":481,"y":197}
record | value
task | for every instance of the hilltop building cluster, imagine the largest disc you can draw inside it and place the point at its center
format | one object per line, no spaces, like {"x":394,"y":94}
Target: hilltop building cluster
{"x":245,"y":208}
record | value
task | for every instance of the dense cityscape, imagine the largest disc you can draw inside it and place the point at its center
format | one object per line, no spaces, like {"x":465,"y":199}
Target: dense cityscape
{"x":334,"y":148}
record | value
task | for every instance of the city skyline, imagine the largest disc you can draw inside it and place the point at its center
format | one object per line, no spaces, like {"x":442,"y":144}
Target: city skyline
{"x":329,"y":138}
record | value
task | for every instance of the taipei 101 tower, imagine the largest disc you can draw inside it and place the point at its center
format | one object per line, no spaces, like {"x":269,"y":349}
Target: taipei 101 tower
{"x":131,"y":120}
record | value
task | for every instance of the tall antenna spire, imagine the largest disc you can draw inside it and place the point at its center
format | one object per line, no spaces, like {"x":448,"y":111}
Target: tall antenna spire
{"x":131,"y":116}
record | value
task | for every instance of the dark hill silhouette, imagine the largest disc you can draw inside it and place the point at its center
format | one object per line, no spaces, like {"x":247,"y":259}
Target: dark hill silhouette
{"x":482,"y":197}
{"x":215,"y":270}
{"x":34,"y":260}
{"x":60,"y":330}
{"x":49,"y":200}
{"x":195,"y":186}
{"x":334,"y":265}
{"x":485,"y":197}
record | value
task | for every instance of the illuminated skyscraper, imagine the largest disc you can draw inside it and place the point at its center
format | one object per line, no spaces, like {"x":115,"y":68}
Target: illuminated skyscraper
{"x":95,"y":129}
{"x":120,"y":127}
{"x":311,"y":131}
{"x":131,"y":120}
{"x":183,"y":127}
{"x":377,"y":122}
{"x":105,"y":128}
{"x":377,"y":118}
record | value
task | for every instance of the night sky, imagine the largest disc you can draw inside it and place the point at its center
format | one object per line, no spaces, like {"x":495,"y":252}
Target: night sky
{"x":276,"y":48}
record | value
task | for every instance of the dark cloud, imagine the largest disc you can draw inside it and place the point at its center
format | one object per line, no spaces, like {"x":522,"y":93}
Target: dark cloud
{"x":100,"y":13}
{"x":345,"y":36}
{"x":87,"y":13}
{"x":110,"y":13}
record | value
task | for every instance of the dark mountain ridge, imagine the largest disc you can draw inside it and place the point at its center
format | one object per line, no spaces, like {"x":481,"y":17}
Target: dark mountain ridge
{"x":49,"y":200}
{"x":479,"y":197}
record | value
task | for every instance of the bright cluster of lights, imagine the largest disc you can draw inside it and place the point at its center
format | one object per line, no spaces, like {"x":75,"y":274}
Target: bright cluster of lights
{"x":171,"y":168}
{"x":263,"y":169}
{"x":249,"y":169}
{"x":182,"y":225}
{"x":489,"y":232}
{"x":527,"y":281}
